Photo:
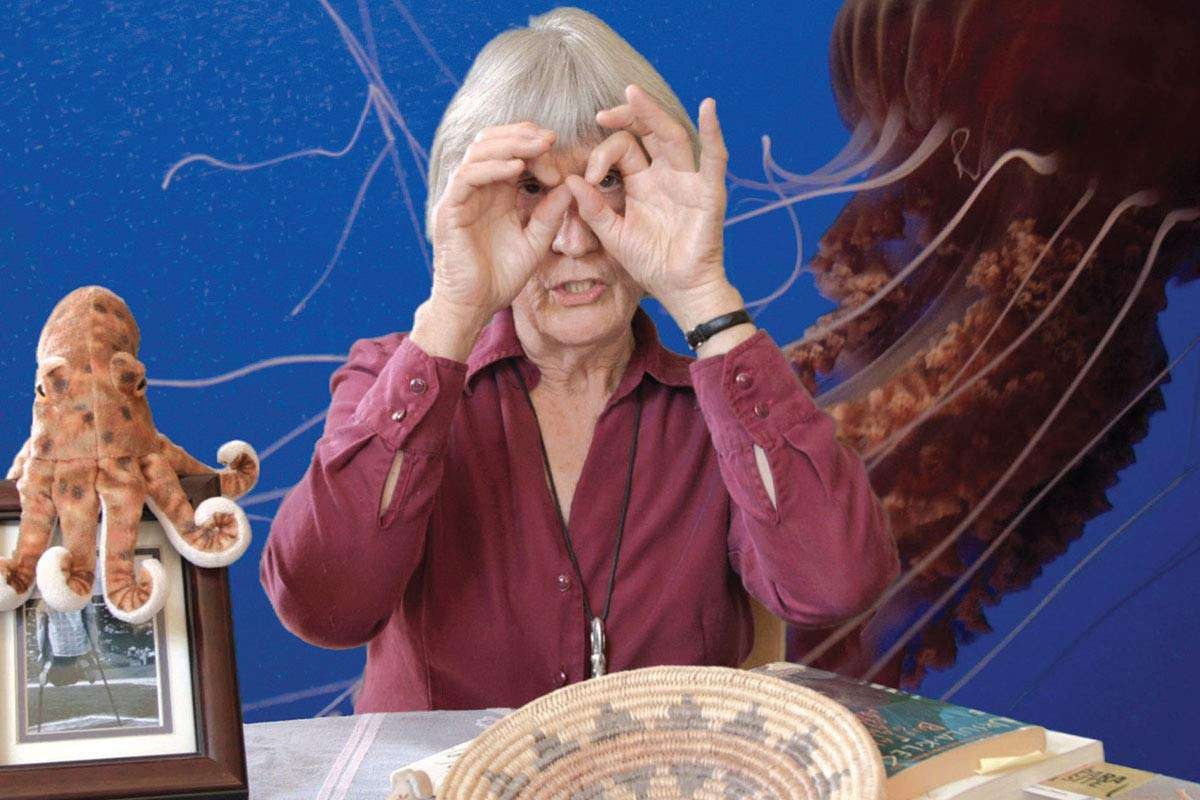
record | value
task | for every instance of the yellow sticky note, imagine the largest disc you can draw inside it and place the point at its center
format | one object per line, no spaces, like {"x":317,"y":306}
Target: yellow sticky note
{"x":990,"y":765}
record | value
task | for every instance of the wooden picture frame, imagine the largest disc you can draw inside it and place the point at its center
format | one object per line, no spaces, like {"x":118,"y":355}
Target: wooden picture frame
{"x":217,"y":769}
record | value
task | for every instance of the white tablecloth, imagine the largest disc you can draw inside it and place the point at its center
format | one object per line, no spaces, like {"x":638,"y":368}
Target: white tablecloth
{"x":349,"y":758}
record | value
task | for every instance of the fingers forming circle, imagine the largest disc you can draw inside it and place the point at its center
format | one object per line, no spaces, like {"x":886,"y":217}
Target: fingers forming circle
{"x":713,"y":154}
{"x":470,"y":176}
{"x":505,"y":148}
{"x":666,"y":138}
{"x":524,"y":129}
{"x":621,"y":149}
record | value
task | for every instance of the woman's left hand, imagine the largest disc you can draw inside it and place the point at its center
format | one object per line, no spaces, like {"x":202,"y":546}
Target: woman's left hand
{"x":670,"y":238}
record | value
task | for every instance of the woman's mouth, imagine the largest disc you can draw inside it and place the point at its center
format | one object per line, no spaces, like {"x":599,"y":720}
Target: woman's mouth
{"x":578,"y":293}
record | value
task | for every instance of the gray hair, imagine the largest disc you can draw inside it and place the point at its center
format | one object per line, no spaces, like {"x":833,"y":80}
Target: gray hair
{"x":562,"y":69}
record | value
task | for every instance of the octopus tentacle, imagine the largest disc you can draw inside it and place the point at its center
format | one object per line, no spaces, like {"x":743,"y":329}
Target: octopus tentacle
{"x":239,"y":458}
{"x":241,"y":473}
{"x":18,"y":465}
{"x":183,"y":462}
{"x":215,"y":534}
{"x":67,"y":574}
{"x":133,"y":592}
{"x":37,"y":523}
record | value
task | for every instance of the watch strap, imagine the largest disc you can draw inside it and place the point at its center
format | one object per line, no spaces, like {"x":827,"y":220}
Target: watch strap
{"x":697,"y":335}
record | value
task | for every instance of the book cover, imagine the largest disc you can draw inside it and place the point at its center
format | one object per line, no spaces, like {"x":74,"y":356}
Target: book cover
{"x":924,"y":743}
{"x":1110,"y":780}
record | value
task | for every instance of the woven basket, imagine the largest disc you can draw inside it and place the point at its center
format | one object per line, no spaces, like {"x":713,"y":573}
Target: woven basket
{"x":673,"y":732}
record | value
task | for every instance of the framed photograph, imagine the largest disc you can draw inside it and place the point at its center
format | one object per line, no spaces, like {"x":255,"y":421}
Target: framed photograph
{"x":94,"y":707}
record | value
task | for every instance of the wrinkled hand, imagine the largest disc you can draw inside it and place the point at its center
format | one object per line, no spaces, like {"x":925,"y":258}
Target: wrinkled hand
{"x":483,"y":254}
{"x":670,"y":238}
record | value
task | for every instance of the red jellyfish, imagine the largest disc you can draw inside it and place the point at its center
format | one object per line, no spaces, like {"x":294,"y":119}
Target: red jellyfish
{"x":1032,"y":183}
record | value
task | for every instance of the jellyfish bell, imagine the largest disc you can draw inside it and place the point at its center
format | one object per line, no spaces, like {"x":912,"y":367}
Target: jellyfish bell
{"x":998,"y":298}
{"x":1106,"y":84}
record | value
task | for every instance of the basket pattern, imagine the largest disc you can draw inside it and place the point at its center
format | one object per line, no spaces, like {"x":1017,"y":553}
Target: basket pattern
{"x":673,"y":732}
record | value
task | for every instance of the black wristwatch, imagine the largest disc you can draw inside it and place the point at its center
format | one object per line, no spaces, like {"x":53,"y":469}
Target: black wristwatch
{"x":696,"y":336}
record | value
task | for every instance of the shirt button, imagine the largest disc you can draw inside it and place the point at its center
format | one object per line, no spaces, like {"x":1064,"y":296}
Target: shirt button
{"x":562,"y":677}
{"x":743,"y":380}
{"x":564,"y":582}
{"x":417,"y":385}
{"x":398,"y":415}
{"x":761,"y":410}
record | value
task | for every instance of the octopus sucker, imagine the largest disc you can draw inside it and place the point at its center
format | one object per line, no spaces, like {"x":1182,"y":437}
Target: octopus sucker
{"x":93,"y":452}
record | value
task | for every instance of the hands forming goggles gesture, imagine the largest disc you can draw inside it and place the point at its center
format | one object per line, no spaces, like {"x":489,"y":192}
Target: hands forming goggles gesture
{"x":670,"y":238}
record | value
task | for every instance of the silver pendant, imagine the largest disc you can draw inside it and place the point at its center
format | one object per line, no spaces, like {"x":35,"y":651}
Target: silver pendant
{"x":598,"y":665}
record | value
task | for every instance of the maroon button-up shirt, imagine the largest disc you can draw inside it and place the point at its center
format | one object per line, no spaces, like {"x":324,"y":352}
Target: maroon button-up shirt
{"x":462,"y":589}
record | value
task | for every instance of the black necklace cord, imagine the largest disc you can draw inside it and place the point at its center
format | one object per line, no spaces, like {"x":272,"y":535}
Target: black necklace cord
{"x":612,"y":577}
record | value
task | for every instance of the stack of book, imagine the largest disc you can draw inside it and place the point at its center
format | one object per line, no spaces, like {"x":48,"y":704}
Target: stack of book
{"x":1110,"y":780}
{"x":937,"y":751}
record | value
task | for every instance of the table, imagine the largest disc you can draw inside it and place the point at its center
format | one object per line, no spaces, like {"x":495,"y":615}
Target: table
{"x":352,"y":758}
{"x":349,"y":758}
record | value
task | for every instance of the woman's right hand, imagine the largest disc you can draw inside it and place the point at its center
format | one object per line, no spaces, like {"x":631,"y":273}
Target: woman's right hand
{"x":485,"y":246}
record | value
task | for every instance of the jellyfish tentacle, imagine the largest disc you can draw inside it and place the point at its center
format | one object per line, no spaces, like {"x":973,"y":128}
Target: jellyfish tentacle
{"x":1024,"y":622}
{"x":937,"y":134}
{"x":876,"y":455}
{"x":821,"y":336}
{"x":846,"y":164}
{"x":385,"y":98}
{"x":888,"y":136}
{"x":249,"y":369}
{"x":37,"y":523}
{"x":134,"y":591}
{"x":66,"y":574}
{"x":214,"y":534}
{"x":1028,"y":507}
{"x":957,"y":64}
{"x":1042,"y":164}
{"x":248,"y":167}
{"x":291,"y":435}
{"x":848,"y":156}
{"x":1137,"y":199}
{"x":1170,"y":221}
{"x":881,"y":363}
{"x":798,"y":264}
{"x":1088,"y":194}
{"x":1176,"y":560}
{"x":359,"y":196}
{"x":959,"y":144}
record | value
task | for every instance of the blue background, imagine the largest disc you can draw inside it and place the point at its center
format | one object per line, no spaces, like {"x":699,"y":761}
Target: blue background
{"x":98,"y":99}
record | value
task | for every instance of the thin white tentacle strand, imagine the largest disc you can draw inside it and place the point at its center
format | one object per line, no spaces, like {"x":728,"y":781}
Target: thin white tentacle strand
{"x":1140,"y":199}
{"x":1172,"y":219}
{"x":1041,"y":164}
{"x":1075,"y":570}
{"x":951,"y":390}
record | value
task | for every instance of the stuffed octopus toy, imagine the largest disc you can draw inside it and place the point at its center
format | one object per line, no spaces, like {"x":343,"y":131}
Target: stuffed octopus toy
{"x":93,"y":452}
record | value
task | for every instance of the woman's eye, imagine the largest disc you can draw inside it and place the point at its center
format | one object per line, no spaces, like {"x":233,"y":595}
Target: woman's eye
{"x":141,"y":384}
{"x":610,"y":181}
{"x":530,"y":187}
{"x":40,"y":390}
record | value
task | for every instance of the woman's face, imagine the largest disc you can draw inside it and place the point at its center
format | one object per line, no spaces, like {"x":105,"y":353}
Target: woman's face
{"x":602,"y":305}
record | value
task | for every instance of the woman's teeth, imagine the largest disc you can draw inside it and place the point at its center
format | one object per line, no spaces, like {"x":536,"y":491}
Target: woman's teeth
{"x":576,"y":287}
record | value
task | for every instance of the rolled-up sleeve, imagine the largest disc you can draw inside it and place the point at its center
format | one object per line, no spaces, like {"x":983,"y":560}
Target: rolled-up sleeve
{"x":823,"y":551}
{"x":334,"y":566}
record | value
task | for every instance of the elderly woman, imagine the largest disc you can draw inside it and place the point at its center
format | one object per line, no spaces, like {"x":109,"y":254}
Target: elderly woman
{"x":527,"y":489}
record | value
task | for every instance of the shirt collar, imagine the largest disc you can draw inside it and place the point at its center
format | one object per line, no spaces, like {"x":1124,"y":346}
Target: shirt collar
{"x":498,"y":340}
